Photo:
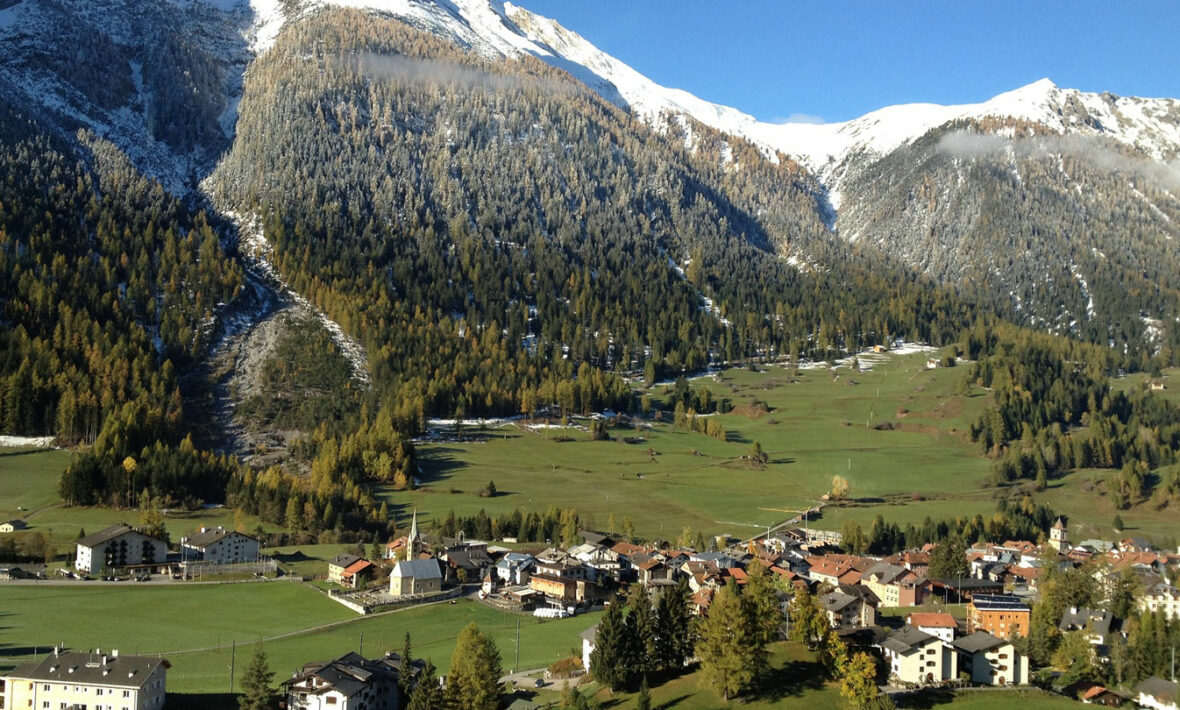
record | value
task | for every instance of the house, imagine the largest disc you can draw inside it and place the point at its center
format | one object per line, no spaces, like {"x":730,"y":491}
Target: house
{"x":895,"y":585}
{"x":350,"y":571}
{"x":1002,"y":615}
{"x":220,"y":546}
{"x":13,"y":526}
{"x":653,"y":570}
{"x":415,"y":577}
{"x":943,"y":626}
{"x":350,"y":682}
{"x":1098,"y":625}
{"x":1098,"y":695}
{"x":564,"y":589}
{"x":848,"y":610}
{"x":991,"y":660}
{"x":118,"y":546}
{"x":9,"y":573}
{"x":1161,"y":597}
{"x":514,"y":568}
{"x":1156,"y":693}
{"x":589,"y":641}
{"x":1158,"y":386}
{"x":467,"y":562}
{"x":917,"y":657}
{"x":73,"y":679}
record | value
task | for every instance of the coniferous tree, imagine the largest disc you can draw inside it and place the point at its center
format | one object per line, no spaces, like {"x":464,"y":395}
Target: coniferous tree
{"x":427,"y":693}
{"x":641,"y":630}
{"x":405,"y":680}
{"x":257,"y":690}
{"x":728,"y":646}
{"x":613,"y":660}
{"x":674,"y":628}
{"x":474,"y":679}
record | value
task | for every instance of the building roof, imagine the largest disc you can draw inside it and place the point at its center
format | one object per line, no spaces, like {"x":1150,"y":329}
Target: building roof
{"x":209,"y":536}
{"x":1096,"y":621}
{"x":95,"y":668}
{"x":978,"y":641}
{"x":418,"y":569}
{"x":837,"y":601}
{"x":907,"y":638}
{"x":932,"y":620}
{"x":1158,"y":688}
{"x":106,"y":535}
{"x":590,"y":634}
{"x":357,"y":567}
{"x":344,"y":560}
{"x":998,"y":602}
{"x":348,"y":675}
{"x":16,"y":523}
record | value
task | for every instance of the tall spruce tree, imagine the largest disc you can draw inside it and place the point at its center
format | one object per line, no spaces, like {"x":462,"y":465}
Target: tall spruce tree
{"x":641,"y":629}
{"x":474,"y":680}
{"x":257,"y":690}
{"x":405,"y":679}
{"x":728,"y":645}
{"x":612,"y":662}
{"x":674,"y":628}
{"x":427,"y":693}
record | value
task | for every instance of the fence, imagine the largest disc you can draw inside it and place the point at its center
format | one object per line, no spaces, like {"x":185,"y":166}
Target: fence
{"x":198,"y":569}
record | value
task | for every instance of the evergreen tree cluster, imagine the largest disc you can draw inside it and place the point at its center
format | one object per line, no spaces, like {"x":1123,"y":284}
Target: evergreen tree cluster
{"x":644,"y":640}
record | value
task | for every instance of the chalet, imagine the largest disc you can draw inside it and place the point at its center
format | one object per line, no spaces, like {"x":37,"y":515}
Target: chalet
{"x":220,"y":546}
{"x":514,"y":568}
{"x":118,"y":546}
{"x":467,"y":562}
{"x":943,"y":626}
{"x":848,"y":610}
{"x":72,"y":679}
{"x":991,"y":660}
{"x":1156,"y":693}
{"x":895,"y":585}
{"x":1099,"y":695}
{"x":1099,"y":626}
{"x":350,"y":571}
{"x":1161,"y":597}
{"x":652,"y":570}
{"x":415,"y":577}
{"x":350,"y":682}
{"x":917,"y":657}
{"x":999,"y":614}
{"x":14,"y":525}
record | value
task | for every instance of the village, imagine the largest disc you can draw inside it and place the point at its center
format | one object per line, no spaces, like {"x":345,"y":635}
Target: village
{"x":924,"y":630}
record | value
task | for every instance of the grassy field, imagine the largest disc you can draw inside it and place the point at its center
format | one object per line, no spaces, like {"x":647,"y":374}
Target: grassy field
{"x":28,"y":490}
{"x":196,"y":628}
{"x":893,"y":431}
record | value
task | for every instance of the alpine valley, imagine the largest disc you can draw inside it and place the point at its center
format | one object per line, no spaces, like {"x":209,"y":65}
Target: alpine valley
{"x":313,"y":270}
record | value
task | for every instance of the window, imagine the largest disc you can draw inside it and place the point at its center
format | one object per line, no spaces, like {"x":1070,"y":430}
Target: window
{"x":331,"y":700}
{"x":45,"y":687}
{"x":126,"y":693}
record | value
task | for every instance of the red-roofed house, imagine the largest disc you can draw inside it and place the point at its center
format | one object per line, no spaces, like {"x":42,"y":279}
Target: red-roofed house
{"x":941,"y":625}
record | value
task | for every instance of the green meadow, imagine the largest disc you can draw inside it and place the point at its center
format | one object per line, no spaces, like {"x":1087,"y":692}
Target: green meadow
{"x":894,"y":431}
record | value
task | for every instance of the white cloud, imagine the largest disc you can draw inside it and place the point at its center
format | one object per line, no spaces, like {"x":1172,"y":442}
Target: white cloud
{"x":799,"y":118}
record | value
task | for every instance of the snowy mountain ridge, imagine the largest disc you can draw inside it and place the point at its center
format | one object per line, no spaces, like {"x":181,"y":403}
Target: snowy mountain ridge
{"x":503,"y":29}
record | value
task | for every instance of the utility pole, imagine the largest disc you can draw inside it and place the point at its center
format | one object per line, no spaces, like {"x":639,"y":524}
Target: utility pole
{"x":362,"y":644}
{"x":516,"y":664}
{"x":233,"y":652}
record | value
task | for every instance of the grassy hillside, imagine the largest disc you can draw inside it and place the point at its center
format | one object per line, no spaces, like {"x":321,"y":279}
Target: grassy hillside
{"x":893,"y":431}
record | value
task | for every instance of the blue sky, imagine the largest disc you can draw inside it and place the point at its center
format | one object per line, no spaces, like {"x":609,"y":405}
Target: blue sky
{"x":837,"y":60}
